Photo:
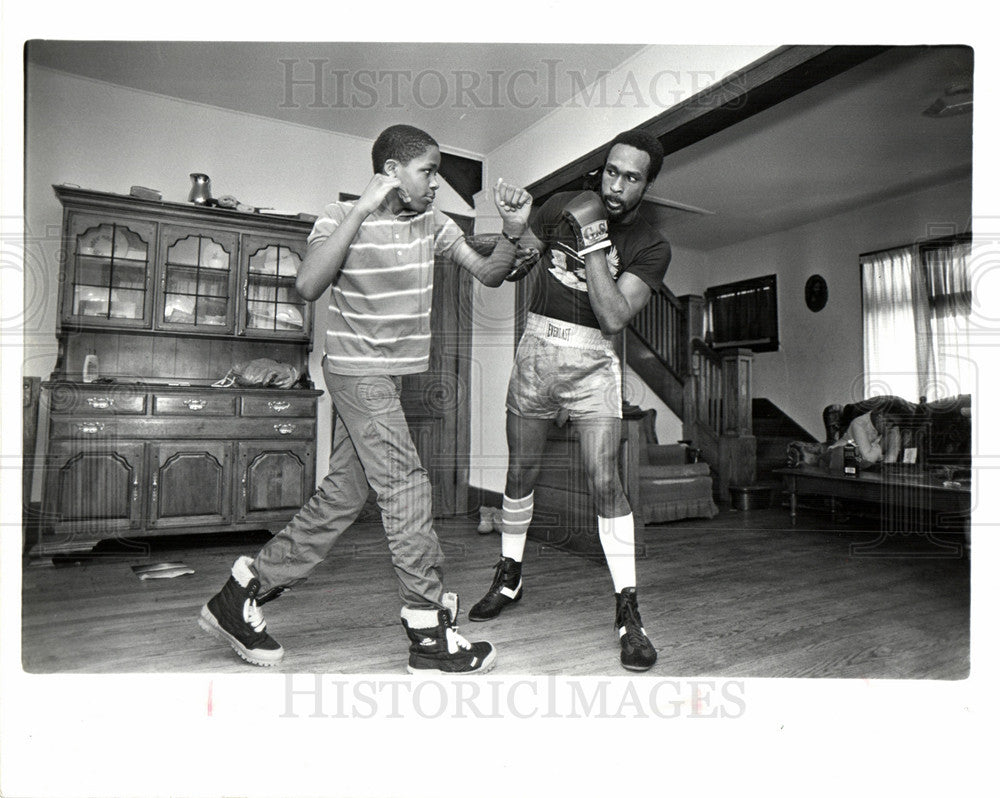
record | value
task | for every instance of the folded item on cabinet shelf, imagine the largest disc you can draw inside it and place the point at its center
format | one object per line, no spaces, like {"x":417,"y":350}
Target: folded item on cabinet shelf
{"x":260,"y":373}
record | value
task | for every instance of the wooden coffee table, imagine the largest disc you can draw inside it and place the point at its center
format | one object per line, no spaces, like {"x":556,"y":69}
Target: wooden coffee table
{"x":905,"y":496}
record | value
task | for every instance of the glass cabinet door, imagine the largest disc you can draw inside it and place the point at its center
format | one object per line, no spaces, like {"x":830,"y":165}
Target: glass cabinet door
{"x":109,"y":271}
{"x":273,"y":307}
{"x":197,"y":282}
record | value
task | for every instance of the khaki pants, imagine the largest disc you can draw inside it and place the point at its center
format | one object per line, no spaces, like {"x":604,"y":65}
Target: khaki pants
{"x":371,"y":445}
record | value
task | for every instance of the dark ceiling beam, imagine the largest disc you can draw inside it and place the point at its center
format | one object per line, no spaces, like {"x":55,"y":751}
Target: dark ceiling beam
{"x":768,"y":81}
{"x":465,"y":175}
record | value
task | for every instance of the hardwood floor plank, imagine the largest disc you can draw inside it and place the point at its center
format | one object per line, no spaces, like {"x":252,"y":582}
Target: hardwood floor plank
{"x":741,"y":595}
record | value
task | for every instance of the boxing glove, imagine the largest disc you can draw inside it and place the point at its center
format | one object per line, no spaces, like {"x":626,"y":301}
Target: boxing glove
{"x":586,"y":215}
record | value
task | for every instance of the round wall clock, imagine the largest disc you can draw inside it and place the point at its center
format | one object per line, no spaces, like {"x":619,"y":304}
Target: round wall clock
{"x":816,"y":293}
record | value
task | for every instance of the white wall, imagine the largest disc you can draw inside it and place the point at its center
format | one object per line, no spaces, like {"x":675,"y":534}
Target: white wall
{"x":820,"y":361}
{"x":107,"y":138}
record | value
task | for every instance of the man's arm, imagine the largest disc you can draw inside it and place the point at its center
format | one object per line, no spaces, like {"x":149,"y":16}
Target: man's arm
{"x":324,"y":260}
{"x":893,"y":443}
{"x":615,"y":303}
{"x":868,"y":446}
{"x":514,"y":205}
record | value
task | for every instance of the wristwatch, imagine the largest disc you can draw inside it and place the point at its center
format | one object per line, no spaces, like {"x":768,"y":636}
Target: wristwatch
{"x":513,"y":240}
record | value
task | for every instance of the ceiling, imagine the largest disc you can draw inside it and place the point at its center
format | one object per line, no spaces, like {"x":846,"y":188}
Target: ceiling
{"x":855,"y":138}
{"x":471,"y":97}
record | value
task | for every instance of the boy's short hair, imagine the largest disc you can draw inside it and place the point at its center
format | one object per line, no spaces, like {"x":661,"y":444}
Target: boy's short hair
{"x":402,"y":143}
{"x":649,"y":144}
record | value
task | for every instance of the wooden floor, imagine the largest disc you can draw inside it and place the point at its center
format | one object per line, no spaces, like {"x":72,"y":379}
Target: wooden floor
{"x":741,"y":595}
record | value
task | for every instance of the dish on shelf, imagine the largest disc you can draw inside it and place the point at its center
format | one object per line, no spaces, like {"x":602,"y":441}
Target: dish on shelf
{"x":216,"y":261}
{"x":287,"y":265}
{"x":179,"y":309}
{"x":289,"y":316}
{"x":90,"y":307}
{"x":100,"y":243}
{"x":286,"y":318}
{"x":121,"y":309}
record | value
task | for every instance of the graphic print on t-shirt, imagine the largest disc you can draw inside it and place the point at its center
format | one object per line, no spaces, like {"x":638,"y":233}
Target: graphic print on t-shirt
{"x":572,"y":273}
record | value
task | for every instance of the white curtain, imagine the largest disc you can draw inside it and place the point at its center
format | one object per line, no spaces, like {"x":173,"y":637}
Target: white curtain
{"x":915,"y":306}
{"x":948,"y":369}
{"x":887,"y":308}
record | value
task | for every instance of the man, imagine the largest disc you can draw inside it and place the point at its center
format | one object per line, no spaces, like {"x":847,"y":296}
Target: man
{"x":876,"y":440}
{"x":602,"y":263}
{"x":376,"y":257}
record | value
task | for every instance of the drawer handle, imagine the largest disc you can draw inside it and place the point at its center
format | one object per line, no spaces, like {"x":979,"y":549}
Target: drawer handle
{"x":284,"y":429}
{"x":195,"y":404}
{"x":279,"y":406}
{"x":100,"y":402}
{"x":90,"y":428}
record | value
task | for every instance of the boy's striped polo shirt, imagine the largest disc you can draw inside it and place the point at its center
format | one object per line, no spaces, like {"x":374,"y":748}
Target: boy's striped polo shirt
{"x":380,"y":302}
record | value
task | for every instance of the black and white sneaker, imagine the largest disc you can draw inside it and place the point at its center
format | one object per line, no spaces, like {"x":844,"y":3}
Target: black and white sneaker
{"x":436,"y":647}
{"x":638,"y":653}
{"x":232,"y":615}
{"x":506,"y":589}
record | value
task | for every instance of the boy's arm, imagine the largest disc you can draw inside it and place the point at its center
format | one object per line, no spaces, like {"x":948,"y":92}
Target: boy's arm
{"x":323,"y":260}
{"x":514,"y":205}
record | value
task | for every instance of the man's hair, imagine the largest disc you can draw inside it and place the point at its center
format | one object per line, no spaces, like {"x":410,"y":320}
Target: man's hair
{"x":402,"y":143}
{"x":645,"y":142}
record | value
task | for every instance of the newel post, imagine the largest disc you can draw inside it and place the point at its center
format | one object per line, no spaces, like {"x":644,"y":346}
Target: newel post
{"x":738,"y":446}
{"x":693,"y":307}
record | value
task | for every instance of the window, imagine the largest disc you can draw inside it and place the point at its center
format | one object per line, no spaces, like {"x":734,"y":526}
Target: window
{"x":916,"y":302}
{"x":744,"y":314}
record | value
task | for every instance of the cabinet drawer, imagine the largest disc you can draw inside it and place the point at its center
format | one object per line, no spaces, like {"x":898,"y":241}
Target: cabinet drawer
{"x":278,"y":406}
{"x":195,"y":426}
{"x":84,"y":428}
{"x":194,"y":404}
{"x":79,"y":400}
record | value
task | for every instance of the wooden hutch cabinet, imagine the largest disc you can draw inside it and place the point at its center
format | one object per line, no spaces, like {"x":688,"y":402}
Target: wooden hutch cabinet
{"x":166,"y":298}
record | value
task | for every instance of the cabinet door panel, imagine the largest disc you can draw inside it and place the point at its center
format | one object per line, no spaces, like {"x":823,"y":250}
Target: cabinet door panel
{"x":109,"y":266}
{"x":190,"y":484}
{"x":275,"y":479}
{"x":270,"y":307}
{"x":94,"y":485}
{"x":197,"y":280}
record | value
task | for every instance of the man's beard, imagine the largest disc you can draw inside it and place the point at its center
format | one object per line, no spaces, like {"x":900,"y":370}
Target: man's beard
{"x":620,"y":211}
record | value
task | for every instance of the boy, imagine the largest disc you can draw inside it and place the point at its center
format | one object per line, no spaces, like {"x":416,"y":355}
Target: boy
{"x":377,"y":258}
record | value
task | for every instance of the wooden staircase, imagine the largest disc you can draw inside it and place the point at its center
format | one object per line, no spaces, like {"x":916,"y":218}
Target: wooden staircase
{"x":774,"y":431}
{"x":709,"y":390}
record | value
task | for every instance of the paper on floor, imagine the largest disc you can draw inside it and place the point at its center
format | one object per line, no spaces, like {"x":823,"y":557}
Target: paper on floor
{"x":162,"y":570}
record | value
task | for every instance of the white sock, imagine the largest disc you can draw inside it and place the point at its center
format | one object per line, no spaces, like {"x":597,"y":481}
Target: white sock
{"x":618,"y":541}
{"x":514,"y":528}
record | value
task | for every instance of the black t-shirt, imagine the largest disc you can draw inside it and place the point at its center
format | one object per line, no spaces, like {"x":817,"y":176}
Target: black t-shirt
{"x":561,"y":293}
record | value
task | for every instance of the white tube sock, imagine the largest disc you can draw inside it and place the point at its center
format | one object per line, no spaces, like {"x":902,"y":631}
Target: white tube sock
{"x":618,"y":541}
{"x":514,"y":530}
